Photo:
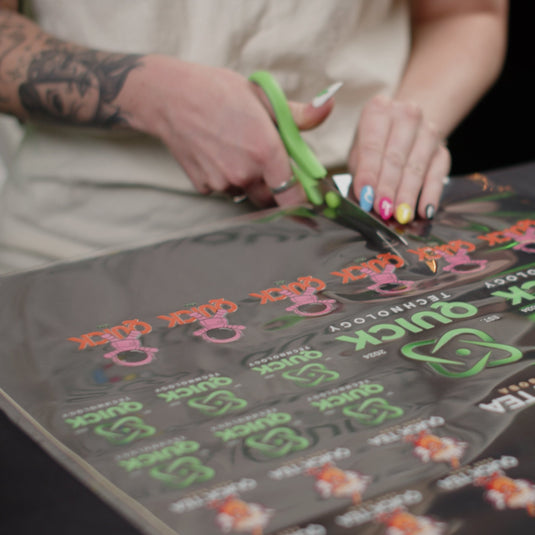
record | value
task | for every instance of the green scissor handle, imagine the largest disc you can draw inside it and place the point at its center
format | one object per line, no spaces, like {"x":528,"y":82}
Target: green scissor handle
{"x":307,"y":169}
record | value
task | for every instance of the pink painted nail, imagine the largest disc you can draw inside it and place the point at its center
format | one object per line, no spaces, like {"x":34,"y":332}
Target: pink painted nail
{"x":386,"y":208}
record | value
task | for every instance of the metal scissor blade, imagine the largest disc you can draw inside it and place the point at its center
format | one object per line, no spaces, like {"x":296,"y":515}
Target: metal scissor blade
{"x":350,"y":215}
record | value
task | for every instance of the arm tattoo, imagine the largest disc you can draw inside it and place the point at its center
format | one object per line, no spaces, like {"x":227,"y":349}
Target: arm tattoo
{"x":77,"y":87}
{"x":12,"y":36}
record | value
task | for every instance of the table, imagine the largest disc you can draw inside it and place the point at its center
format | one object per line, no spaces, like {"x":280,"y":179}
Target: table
{"x":58,"y":503}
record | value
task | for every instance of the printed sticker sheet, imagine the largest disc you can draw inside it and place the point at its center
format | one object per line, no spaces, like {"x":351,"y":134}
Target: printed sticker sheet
{"x":280,"y":375}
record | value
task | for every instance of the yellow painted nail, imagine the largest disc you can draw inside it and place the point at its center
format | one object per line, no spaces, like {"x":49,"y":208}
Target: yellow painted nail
{"x":403,"y":213}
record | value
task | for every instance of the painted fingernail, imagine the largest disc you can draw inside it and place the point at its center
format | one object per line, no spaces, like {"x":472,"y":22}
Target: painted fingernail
{"x":367,"y":196}
{"x":403,"y":213}
{"x":321,"y":98}
{"x":386,"y":208}
{"x":429,"y":211}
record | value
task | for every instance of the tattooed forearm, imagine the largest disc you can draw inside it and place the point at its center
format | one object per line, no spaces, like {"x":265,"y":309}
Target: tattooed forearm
{"x":12,"y":36}
{"x":45,"y":78}
{"x":76,"y":87}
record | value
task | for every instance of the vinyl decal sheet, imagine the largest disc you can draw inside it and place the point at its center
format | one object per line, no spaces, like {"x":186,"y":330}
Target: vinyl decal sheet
{"x":279,"y":375}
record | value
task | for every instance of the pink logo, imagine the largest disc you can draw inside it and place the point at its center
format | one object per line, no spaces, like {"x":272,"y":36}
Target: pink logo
{"x":309,"y":300}
{"x":130,"y":343}
{"x":526,"y":241}
{"x":387,"y":281}
{"x":460,"y":262}
{"x":218,"y":322}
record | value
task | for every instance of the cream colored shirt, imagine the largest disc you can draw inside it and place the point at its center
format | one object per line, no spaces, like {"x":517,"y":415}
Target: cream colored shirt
{"x":73,"y":192}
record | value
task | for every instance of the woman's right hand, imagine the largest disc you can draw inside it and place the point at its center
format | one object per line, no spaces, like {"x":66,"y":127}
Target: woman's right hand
{"x":217,"y":125}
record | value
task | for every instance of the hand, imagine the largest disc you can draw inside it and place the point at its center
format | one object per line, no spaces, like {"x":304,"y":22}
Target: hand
{"x":399,"y":154}
{"x":218,"y":126}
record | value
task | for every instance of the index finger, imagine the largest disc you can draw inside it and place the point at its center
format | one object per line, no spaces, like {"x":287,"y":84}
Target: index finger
{"x":366,"y":155}
{"x":277,"y":172}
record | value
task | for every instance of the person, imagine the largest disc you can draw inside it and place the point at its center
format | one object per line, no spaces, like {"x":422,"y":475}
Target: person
{"x":139,"y":119}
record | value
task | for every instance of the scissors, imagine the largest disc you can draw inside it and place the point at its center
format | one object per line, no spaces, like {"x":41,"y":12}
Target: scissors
{"x":320,"y":188}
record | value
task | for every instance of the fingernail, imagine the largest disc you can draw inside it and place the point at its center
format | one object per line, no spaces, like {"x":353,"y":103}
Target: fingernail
{"x":403,"y":213}
{"x":367,"y":196}
{"x":385,"y":208}
{"x":321,"y":98}
{"x":429,"y":211}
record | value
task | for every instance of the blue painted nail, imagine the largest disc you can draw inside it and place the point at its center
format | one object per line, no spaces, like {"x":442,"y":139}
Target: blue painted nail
{"x":367,"y":196}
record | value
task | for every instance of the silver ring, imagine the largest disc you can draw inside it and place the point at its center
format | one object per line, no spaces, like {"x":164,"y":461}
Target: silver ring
{"x":284,"y":186}
{"x":238,"y":199}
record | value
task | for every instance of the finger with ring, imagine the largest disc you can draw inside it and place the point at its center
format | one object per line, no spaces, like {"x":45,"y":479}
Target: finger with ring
{"x":281,"y":188}
{"x":238,"y":199}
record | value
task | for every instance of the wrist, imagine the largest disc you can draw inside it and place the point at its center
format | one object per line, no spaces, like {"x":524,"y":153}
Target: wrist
{"x":145,"y":95}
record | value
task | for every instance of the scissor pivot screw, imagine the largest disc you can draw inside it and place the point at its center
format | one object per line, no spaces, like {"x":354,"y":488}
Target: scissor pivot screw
{"x":332,"y":199}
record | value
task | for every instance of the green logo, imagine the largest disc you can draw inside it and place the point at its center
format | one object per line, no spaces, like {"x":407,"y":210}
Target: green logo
{"x":218,"y":403}
{"x":182,"y":473}
{"x":373,"y":411}
{"x":457,"y":347}
{"x":125,"y":430}
{"x":277,"y":442}
{"x":311,"y":375}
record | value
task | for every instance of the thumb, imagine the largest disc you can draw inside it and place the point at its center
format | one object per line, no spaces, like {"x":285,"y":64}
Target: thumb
{"x":312,"y":114}
{"x":308,"y":116}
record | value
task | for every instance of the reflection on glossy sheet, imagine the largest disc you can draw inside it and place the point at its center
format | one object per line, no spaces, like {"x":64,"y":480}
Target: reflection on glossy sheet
{"x":280,"y":375}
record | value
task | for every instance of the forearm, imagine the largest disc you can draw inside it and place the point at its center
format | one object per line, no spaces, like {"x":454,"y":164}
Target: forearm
{"x":453,"y":62}
{"x":212,"y":120}
{"x":48,"y":79}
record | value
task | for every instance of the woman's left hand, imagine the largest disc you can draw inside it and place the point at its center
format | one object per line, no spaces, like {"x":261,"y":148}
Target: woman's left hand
{"x":398,"y":161}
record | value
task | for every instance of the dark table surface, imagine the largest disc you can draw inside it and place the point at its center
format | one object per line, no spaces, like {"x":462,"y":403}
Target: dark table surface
{"x":39,"y":496}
